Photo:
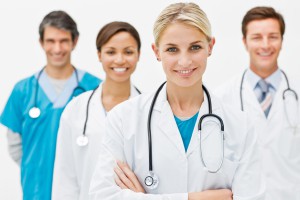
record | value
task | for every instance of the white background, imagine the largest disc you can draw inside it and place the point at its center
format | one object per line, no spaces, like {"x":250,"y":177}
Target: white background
{"x":21,"y":54}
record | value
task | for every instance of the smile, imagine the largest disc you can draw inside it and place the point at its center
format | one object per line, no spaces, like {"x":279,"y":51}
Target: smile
{"x":119,"y":69}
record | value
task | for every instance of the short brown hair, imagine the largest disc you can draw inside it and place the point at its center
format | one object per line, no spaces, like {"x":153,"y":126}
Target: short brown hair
{"x":260,"y":13}
{"x":111,"y":29}
{"x":61,"y":20}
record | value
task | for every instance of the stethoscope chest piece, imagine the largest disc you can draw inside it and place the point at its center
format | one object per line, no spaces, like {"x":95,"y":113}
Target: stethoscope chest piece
{"x":34,"y":112}
{"x":151,"y":181}
{"x":82,"y":140}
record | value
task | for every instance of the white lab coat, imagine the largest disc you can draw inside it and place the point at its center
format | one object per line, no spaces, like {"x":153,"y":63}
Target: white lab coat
{"x":74,"y":165}
{"x":179,"y":172}
{"x":278,"y":142}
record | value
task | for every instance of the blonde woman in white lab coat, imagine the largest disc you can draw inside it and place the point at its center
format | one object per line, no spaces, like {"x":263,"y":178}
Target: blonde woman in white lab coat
{"x":169,"y":157}
{"x":82,"y":122}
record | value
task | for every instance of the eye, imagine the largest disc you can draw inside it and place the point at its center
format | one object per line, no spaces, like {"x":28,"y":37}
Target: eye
{"x":196,"y":47}
{"x":172,"y":49}
{"x":110,"y":52}
{"x":129,"y":52}
{"x":274,"y":37}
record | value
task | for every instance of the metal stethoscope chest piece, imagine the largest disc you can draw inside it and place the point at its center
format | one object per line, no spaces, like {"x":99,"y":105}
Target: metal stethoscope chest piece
{"x":35,"y":111}
{"x":82,"y":140}
{"x":151,"y":180}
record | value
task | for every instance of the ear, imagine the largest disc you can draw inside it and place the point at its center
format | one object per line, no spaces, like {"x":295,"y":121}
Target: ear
{"x":41,"y":43}
{"x":156,"y":51}
{"x":139,"y":53}
{"x":99,"y":56}
{"x":245,"y":43}
{"x":211,"y":45}
{"x":75,"y":42}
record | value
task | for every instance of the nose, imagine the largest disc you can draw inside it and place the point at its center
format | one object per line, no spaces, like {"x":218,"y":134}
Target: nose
{"x":265,"y":42}
{"x":119,"y":58}
{"x":184,"y":60}
{"x":57,"y":47}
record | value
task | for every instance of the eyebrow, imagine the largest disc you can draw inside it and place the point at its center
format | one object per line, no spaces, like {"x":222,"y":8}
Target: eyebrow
{"x":123,"y":48}
{"x":195,"y":42}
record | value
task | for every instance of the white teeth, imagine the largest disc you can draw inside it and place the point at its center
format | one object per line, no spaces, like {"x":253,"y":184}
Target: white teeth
{"x":265,"y":54}
{"x":119,"y":69}
{"x":185,"y":71}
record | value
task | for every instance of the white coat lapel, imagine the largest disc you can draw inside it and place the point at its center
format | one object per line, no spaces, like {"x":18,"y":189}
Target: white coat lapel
{"x":251,"y":103}
{"x":277,"y":100}
{"x":166,"y":121}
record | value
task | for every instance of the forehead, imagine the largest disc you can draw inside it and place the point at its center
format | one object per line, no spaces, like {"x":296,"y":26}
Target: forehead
{"x":121,"y":39}
{"x":51,"y":32}
{"x":179,"y":33}
{"x":263,"y":26}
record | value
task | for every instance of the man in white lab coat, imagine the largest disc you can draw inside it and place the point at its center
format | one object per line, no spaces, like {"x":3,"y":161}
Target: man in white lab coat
{"x":260,"y":91}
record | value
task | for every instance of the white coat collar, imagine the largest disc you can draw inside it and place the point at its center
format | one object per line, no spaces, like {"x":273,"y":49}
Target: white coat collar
{"x":168,"y":125}
{"x":96,"y":99}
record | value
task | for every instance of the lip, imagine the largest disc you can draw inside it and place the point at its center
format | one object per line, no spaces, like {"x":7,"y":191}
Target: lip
{"x":265,"y":54}
{"x":119,"y":70}
{"x":185,"y":72}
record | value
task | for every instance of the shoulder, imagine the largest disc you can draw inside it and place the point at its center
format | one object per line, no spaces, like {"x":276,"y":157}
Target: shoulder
{"x":133,"y":106}
{"x":77,"y":104}
{"x":88,"y":80}
{"x":229,"y":85}
{"x":25,"y":83}
{"x":235,"y":121}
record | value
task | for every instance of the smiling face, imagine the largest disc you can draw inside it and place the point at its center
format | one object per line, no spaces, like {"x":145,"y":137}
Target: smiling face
{"x":183,"y":50}
{"x":58,"y":45}
{"x":263,"y":42}
{"x":119,"y":56}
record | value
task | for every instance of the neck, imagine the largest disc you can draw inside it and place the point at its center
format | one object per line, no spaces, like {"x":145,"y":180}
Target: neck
{"x":263,"y":73}
{"x":185,"y":102}
{"x":59,"y":72}
{"x":114,"y":93}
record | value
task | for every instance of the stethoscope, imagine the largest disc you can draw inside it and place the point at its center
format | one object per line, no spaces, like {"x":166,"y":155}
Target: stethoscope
{"x":151,"y":180}
{"x":83,"y":140}
{"x":35,"y":111}
{"x":287,"y":91}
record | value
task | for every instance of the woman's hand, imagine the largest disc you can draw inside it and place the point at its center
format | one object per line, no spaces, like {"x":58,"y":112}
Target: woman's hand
{"x":126,"y":178}
{"x":222,"y":194}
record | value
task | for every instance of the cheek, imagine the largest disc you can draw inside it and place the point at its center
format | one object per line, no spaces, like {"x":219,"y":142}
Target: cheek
{"x":132,"y":61}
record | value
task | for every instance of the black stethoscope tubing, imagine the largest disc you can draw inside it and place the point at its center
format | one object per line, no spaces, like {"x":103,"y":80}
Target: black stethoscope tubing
{"x":37,"y":85}
{"x":87,"y":109}
{"x":210,"y":114}
{"x":283,"y":94}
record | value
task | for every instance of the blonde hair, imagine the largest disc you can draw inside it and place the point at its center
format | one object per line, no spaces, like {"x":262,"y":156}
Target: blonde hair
{"x":186,"y":13}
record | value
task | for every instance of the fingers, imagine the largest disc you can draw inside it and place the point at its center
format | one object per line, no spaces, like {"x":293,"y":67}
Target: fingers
{"x":123,"y":178}
{"x":131,"y":179}
{"x":120,"y":183}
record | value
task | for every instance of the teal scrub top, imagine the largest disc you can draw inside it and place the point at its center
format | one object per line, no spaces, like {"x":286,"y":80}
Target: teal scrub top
{"x":186,"y":128}
{"x":39,"y":135}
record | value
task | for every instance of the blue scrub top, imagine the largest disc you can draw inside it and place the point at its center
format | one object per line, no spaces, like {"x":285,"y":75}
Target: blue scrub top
{"x":186,"y":128}
{"x":39,"y":135}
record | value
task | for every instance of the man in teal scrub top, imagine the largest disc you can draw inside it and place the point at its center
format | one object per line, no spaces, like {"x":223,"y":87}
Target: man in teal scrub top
{"x":34,"y":107}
